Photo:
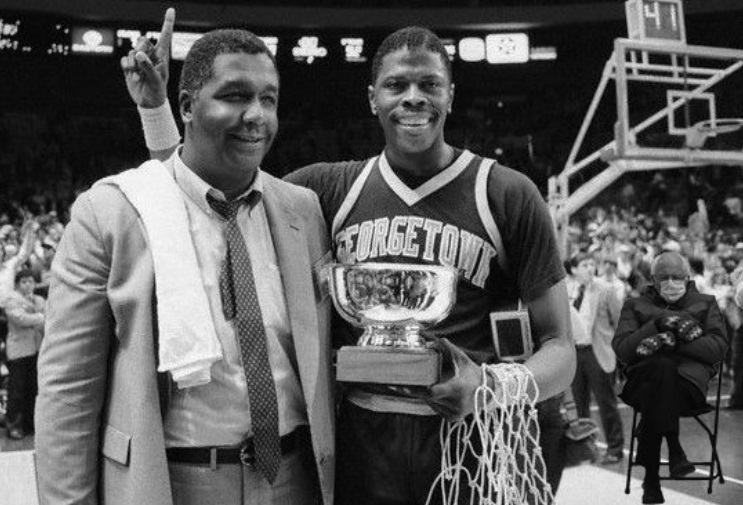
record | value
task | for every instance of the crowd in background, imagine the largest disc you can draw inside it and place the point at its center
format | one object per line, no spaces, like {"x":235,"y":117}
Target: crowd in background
{"x":701,"y":220}
{"x":28,"y":243}
{"x":624,"y":242}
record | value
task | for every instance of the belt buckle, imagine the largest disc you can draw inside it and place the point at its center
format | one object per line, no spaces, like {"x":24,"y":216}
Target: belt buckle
{"x":246,"y":458}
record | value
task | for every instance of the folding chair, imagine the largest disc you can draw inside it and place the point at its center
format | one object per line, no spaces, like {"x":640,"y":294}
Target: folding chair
{"x":3,"y":368}
{"x":713,"y":464}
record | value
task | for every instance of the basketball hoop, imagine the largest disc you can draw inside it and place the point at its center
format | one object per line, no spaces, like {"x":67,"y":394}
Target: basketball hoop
{"x":697,"y":135}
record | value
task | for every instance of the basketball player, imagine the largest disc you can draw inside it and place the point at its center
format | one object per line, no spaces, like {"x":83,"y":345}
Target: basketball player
{"x":425,"y":201}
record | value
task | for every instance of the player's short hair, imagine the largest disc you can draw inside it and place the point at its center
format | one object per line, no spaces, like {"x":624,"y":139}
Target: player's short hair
{"x":411,"y":37}
{"x":199,"y":63}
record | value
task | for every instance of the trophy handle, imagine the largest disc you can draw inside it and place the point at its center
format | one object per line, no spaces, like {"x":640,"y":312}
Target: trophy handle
{"x":327,"y":276}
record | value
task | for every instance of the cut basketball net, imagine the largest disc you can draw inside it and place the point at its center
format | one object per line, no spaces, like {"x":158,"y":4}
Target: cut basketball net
{"x":500,"y":443}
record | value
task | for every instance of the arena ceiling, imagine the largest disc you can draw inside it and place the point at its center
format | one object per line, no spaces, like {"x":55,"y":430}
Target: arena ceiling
{"x":469,"y":14}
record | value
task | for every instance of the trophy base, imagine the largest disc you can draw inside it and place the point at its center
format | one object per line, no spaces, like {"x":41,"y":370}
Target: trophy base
{"x":388,"y":365}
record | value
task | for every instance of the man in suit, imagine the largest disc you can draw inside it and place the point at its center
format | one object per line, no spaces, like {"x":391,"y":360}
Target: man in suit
{"x":110,"y":428}
{"x":598,"y":307}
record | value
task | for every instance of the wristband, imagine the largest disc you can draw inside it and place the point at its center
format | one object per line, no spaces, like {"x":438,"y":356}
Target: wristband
{"x":160,"y":130}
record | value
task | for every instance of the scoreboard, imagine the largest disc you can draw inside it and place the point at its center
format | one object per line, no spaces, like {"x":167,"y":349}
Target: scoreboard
{"x":27,"y":34}
{"x":47,"y":35}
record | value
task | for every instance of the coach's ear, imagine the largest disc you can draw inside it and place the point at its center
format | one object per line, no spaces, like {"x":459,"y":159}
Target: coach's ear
{"x":372,"y":100}
{"x":451,"y":98}
{"x":185,"y":103}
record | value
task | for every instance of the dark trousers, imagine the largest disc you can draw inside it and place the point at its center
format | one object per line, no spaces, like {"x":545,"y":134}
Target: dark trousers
{"x":22,"y":389}
{"x":385,"y":458}
{"x":591,"y":378}
{"x":393,"y":459}
{"x":656,"y":390}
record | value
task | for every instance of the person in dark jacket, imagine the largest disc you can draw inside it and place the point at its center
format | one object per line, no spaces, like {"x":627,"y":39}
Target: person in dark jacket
{"x":669,"y":341}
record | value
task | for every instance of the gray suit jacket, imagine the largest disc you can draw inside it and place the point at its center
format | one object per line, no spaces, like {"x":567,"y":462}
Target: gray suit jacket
{"x":99,"y":435}
{"x":604,"y":310}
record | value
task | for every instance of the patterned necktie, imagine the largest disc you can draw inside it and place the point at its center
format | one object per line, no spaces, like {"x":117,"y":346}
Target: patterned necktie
{"x":579,"y":299}
{"x":240,"y":305}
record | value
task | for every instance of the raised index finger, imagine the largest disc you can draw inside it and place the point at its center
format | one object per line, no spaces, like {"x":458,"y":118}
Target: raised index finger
{"x":166,"y":34}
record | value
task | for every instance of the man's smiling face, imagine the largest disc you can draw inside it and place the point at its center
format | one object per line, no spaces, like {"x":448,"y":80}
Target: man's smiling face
{"x":232,"y":119}
{"x":412,"y":96}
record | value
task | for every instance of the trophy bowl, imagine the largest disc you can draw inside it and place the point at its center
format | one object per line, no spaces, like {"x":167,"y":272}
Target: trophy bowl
{"x":392,"y":302}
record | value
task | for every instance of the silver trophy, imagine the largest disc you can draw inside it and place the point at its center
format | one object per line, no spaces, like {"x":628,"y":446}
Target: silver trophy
{"x":393,"y":303}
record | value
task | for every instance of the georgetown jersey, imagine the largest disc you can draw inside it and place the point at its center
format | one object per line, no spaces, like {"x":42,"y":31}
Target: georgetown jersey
{"x":441,"y":222}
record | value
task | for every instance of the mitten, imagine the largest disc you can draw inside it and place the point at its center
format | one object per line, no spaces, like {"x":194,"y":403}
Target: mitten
{"x":688,"y":330}
{"x":661,"y":342}
{"x":668,"y":340}
{"x":649,"y":345}
{"x":667,"y":323}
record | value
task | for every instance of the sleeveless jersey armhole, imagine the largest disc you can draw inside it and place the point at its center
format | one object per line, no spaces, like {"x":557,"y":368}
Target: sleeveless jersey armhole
{"x":486,"y":214}
{"x":352,"y":196}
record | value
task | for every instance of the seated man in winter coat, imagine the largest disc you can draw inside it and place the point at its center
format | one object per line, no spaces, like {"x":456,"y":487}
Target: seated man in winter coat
{"x":669,"y":341}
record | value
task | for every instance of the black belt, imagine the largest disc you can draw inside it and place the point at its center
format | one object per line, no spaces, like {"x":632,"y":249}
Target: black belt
{"x":242,"y":454}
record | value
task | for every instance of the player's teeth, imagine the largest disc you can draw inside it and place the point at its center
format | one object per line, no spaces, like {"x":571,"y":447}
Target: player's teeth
{"x":413,"y":123}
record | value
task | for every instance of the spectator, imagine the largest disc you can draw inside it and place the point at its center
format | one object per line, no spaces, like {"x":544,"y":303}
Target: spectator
{"x":12,"y":259}
{"x":697,"y":276}
{"x":734,"y":214}
{"x":670,"y":341}
{"x":624,"y":261}
{"x":612,"y":279}
{"x":25,"y":313}
{"x":637,"y":283}
{"x":41,"y":266}
{"x":598,"y":308}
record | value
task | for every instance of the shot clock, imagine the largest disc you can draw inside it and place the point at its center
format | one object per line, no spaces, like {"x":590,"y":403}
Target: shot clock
{"x":656,"y":20}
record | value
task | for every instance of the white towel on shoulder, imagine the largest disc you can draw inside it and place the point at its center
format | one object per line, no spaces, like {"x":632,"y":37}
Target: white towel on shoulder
{"x":188,"y":343}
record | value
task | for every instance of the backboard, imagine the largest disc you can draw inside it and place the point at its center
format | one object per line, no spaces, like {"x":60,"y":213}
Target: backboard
{"x":677,"y":106}
{"x":677,"y":103}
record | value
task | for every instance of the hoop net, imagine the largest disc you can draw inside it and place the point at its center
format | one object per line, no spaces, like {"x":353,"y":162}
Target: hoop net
{"x":718,"y":126}
{"x":698,"y":134}
{"x":502,"y":438}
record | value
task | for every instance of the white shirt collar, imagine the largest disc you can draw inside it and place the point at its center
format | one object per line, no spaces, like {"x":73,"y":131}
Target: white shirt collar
{"x":197,"y":188}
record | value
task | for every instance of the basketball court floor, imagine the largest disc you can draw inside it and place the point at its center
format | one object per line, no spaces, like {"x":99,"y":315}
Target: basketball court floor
{"x":604,"y":485}
{"x":582,"y":485}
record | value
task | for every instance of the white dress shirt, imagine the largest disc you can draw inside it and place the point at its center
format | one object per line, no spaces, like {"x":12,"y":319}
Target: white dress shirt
{"x":218,"y":413}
